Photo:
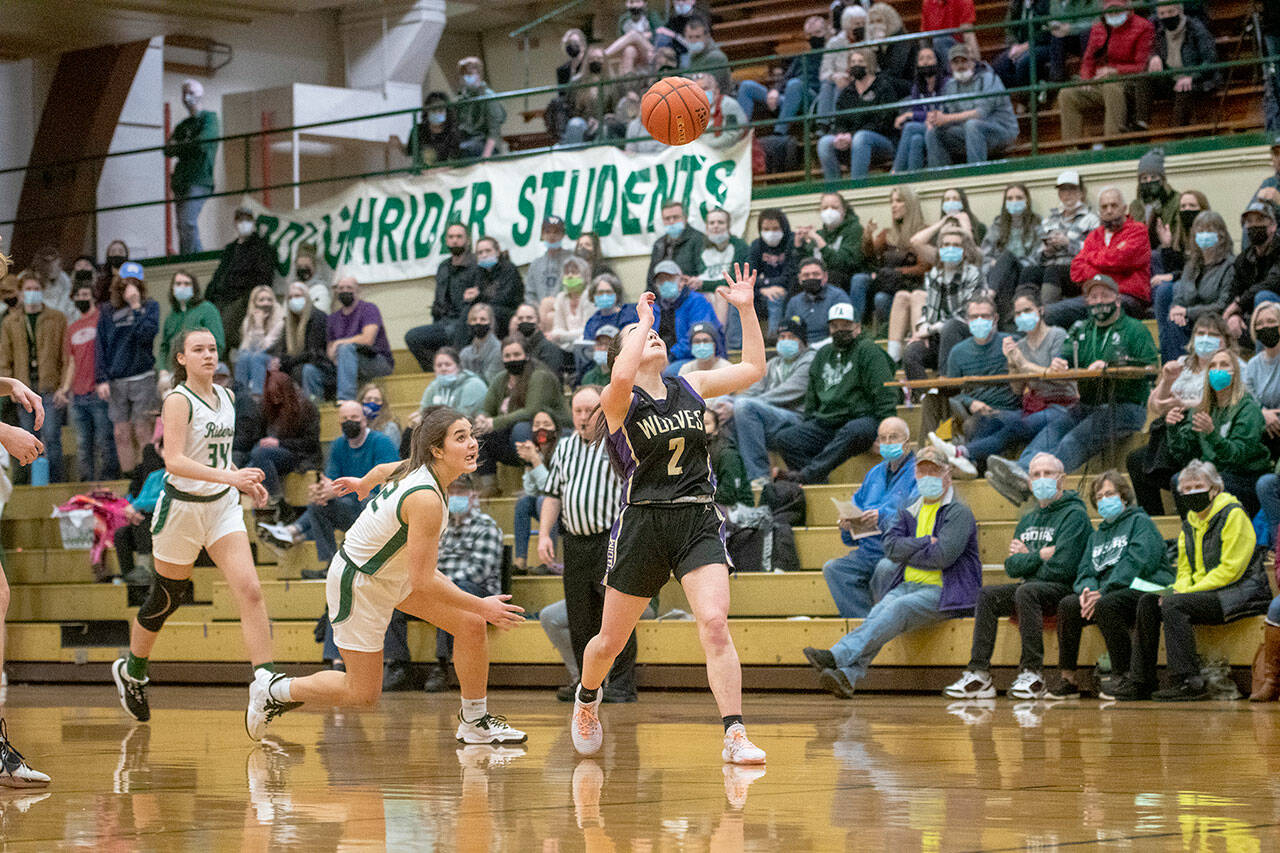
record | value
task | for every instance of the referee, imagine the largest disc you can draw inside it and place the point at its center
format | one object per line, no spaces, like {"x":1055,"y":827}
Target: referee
{"x":581,"y":481}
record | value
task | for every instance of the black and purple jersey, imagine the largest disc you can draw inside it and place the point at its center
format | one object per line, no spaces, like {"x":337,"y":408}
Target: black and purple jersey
{"x":660,"y":452}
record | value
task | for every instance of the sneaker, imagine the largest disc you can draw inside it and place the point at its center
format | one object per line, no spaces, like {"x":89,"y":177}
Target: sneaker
{"x":1028,"y":685}
{"x":958,"y":461}
{"x":1062,"y":689}
{"x":437,"y":680}
{"x":737,"y":779}
{"x":262,"y":707}
{"x":133,"y":693}
{"x":973,"y":711}
{"x":759,"y":483}
{"x":1187,"y":690}
{"x":972,"y":685}
{"x":565,"y":694}
{"x":588,"y":734}
{"x":397,"y":677}
{"x":282,"y":536}
{"x":1013,"y":491}
{"x":836,"y":683}
{"x":489,"y":729}
{"x":1125,"y":690}
{"x":819,"y":659}
{"x":738,"y":749}
{"x":14,"y":772}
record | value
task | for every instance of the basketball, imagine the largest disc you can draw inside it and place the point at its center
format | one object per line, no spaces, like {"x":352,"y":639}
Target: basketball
{"x":675,"y":111}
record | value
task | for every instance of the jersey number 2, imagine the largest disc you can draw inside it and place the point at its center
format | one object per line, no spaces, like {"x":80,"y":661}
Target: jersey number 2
{"x":676,"y":446}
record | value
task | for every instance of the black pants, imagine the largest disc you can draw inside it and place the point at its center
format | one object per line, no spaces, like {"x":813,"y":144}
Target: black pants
{"x":1178,"y":613}
{"x":1056,"y":276}
{"x":1030,"y":600}
{"x":423,"y":341}
{"x":1113,"y":614}
{"x":1149,"y":478}
{"x":1003,"y":279}
{"x":130,"y":540}
{"x":584,"y":564}
{"x":933,"y":352}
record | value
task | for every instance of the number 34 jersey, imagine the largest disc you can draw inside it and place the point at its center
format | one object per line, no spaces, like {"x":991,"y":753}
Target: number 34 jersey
{"x":210,"y":433}
{"x":660,"y":451}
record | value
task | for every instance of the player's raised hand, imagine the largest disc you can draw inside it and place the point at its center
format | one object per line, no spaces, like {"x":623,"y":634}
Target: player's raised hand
{"x":498,"y":610}
{"x":644,"y":308}
{"x":739,"y":289}
{"x":350,"y":486}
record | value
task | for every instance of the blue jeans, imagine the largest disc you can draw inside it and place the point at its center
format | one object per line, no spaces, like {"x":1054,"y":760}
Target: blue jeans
{"x":274,"y":462}
{"x":974,"y":140}
{"x":904,"y":608}
{"x":751,"y":93}
{"x":1084,"y":431}
{"x":859,"y":284}
{"x":50,"y":433}
{"x":95,"y":441}
{"x":1273,"y":612}
{"x":754,"y":422}
{"x":1268,"y":491}
{"x":816,"y":449}
{"x":849,"y":577}
{"x":942,"y":44}
{"x":315,"y":380}
{"x":188,"y":210}
{"x":1173,"y":338}
{"x":910,"y":157}
{"x":251,"y":370}
{"x":996,"y":433}
{"x":337,"y":514}
{"x":826,"y":104}
{"x":528,"y":510}
{"x":355,"y":367}
{"x":867,"y":145}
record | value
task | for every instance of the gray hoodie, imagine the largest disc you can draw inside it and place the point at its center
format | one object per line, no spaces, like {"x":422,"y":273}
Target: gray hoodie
{"x":997,"y":109}
{"x":784,"y":382}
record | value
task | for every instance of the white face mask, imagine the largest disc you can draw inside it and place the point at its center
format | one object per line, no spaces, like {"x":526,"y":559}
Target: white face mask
{"x":963,"y":76}
{"x":1116,"y":19}
{"x":297,"y":304}
{"x":830,"y":216}
{"x":718,"y":239}
{"x":771,"y":238}
{"x":244,"y":227}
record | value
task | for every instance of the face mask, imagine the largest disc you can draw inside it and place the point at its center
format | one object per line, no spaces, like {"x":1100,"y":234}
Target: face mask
{"x":636,"y":12}
{"x":1197,"y":501}
{"x":543,"y":436}
{"x":668,"y":288}
{"x":11,"y":301}
{"x":1188,"y":218}
{"x":842,"y":338}
{"x":1207,"y":345}
{"x":571,"y":283}
{"x":683,"y":8}
{"x":718,"y":240}
{"x":890,"y":452}
{"x":183,"y":293}
{"x":817,"y":42}
{"x":553,"y":245}
{"x":924,"y":72}
{"x":516,"y":367}
{"x":527,"y":329}
{"x":951,"y":207}
{"x":1110,"y":507}
{"x":371,"y":410}
{"x":572,"y":49}
{"x":930,"y":487}
{"x":1044,"y":488}
{"x":305,"y":273}
{"x":352,"y":429}
{"x":437,"y":116}
{"x":84,"y":306}
{"x":297,"y":304}
{"x":1149,"y":190}
{"x":190,"y":101}
{"x":1257,"y":235}
{"x":347,"y":299}
{"x":963,"y":76}
{"x":459,"y":504}
{"x":811,"y":285}
{"x":858,"y":72}
{"x":1220,"y":380}
{"x":479,"y":330}
{"x":1268,"y":336}
{"x":696,"y":47}
{"x":86,"y":276}
{"x":1103,"y":312}
{"x":771,"y":238}
{"x":831,"y":216}
{"x":711,"y":96}
{"x":471,"y":80}
{"x":1016,"y":206}
{"x":456,"y":251}
{"x":788,"y":348}
{"x":244,"y":227}
{"x":447,"y":378}
{"x":600,"y":357}
{"x":674,"y":230}
{"x":606,"y":301}
{"x":114,"y":261}
{"x":1116,"y":20}
{"x":980,"y":327}
{"x":487,"y":263}
{"x":703,"y":350}
{"x":1206,"y":239}
{"x":595,"y":67}
{"x":1171,"y":24}
{"x":32,"y":298}
{"x":951,"y":254}
{"x":1026,"y":321}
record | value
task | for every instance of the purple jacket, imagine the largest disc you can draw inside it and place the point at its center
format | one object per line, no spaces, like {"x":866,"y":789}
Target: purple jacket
{"x":955,"y":553}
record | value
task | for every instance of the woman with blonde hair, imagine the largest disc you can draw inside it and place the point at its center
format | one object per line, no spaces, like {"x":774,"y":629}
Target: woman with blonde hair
{"x":888,"y":250}
{"x":373,"y":399}
{"x":896,"y":59}
{"x":260,"y":331}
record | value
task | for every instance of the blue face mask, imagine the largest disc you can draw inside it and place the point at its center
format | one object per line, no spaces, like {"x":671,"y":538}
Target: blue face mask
{"x":1110,"y":507}
{"x":471,"y":80}
{"x":1207,"y":345}
{"x":606,"y":301}
{"x":600,"y":357}
{"x":1044,"y":488}
{"x":447,"y":378}
{"x":1206,"y":239}
{"x":890,"y":452}
{"x":1016,"y":206}
{"x":703,"y":350}
{"x":371,"y":410}
{"x":553,"y":245}
{"x":459,"y":504}
{"x":980,"y":327}
{"x":34,"y":298}
{"x":1219,"y":380}
{"x":183,"y":293}
{"x":668,"y":288}
{"x":487,"y":263}
{"x":674,"y":230}
{"x":1026,"y":321}
{"x":952,"y":207}
{"x":951,"y":254}
{"x":930,"y":487}
{"x":788,"y":348}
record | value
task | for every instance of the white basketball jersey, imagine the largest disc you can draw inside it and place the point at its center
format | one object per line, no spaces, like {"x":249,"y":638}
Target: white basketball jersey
{"x":379,"y":533}
{"x":210,"y":432}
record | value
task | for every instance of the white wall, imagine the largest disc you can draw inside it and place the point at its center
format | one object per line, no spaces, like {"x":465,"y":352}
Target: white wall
{"x":19,"y":107}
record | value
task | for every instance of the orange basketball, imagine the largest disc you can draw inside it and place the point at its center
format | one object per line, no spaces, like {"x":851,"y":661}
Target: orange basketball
{"x":675,"y":110}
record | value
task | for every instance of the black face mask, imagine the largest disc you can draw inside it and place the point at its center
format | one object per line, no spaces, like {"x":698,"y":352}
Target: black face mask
{"x":817,"y":42}
{"x":457,"y":250}
{"x":1257,"y":235}
{"x":924,"y":72}
{"x":1171,"y":24}
{"x":1187,"y":217}
{"x":543,"y":436}
{"x":636,"y":12}
{"x":1197,"y":501}
{"x":811,"y":285}
{"x":83,"y":305}
{"x":1149,"y":190}
{"x":305,"y":273}
{"x":479,"y":330}
{"x":527,"y":329}
{"x":11,"y":301}
{"x":1103,"y":311}
{"x":114,"y":261}
{"x":842,"y":338}
{"x":82,"y":277}
{"x":516,"y":367}
{"x":572,"y":50}
{"x":1268,"y":336}
{"x":858,"y":72}
{"x":595,"y":67}
{"x":347,"y":299}
{"x":352,"y":429}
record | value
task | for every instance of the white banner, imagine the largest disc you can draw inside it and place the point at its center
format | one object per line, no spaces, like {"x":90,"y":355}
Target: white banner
{"x":392,"y":229}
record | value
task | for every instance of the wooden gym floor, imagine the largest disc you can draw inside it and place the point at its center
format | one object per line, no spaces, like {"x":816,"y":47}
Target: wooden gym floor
{"x":878,"y":773}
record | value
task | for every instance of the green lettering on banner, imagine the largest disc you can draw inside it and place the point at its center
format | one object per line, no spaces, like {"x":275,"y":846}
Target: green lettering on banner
{"x":520,"y":235}
{"x":392,"y":213}
{"x":409,"y":226}
{"x":455,"y":196}
{"x":481,"y":201}
{"x":551,"y":181}
{"x":661,"y":192}
{"x":690,"y":164}
{"x":284,"y":238}
{"x":573,"y":225}
{"x":332,"y":253}
{"x":631,"y":225}
{"x":715,"y":181}
{"x":361,"y":229}
{"x":609,"y":177}
{"x":432,"y":208}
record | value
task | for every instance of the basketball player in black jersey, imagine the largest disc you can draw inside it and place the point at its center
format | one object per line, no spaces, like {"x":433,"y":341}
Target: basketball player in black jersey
{"x":668,"y":522}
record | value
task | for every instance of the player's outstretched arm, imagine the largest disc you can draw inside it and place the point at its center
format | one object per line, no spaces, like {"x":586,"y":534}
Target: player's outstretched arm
{"x":24,"y":397}
{"x":739,"y":291}
{"x":362,"y":486}
{"x":615,"y":399}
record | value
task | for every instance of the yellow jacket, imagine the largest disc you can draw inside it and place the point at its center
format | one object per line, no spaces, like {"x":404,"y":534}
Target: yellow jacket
{"x":1228,"y":533}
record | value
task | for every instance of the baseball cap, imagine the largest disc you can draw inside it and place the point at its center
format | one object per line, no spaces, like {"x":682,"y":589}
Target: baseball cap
{"x":702,"y":327}
{"x":796,"y":326}
{"x":609,"y":332}
{"x":222,"y":369}
{"x":244,"y":212}
{"x":1101,"y":280}
{"x":1069,"y":178}
{"x":933,"y":455}
{"x":132,"y":269}
{"x":667,"y":268}
{"x":1261,"y":208}
{"x":553,"y":221}
{"x":840,"y":311}
{"x":958,"y":51}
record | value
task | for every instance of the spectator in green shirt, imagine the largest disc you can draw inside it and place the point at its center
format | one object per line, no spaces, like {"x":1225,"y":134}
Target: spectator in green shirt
{"x":479,"y":122}
{"x":194,"y":143}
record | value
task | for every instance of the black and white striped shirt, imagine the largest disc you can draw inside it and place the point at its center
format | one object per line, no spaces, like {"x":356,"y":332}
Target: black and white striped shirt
{"x":581,"y":478}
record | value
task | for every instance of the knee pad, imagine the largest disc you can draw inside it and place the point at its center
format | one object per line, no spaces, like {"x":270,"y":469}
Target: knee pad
{"x":164,"y":598}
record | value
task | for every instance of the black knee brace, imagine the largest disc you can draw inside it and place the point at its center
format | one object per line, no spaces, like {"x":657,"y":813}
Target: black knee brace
{"x":165,"y":596}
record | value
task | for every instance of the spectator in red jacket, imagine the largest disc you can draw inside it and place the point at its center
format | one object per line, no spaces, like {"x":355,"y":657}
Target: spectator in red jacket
{"x":1119,"y":248}
{"x":945,"y":15}
{"x":1119,"y":44}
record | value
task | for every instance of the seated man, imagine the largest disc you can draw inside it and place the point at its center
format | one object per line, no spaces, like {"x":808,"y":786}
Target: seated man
{"x":845,"y":401}
{"x":678,"y":309}
{"x":1119,"y":46}
{"x":813,"y":303}
{"x":934,"y":544}
{"x":470,"y":555}
{"x":1043,"y":557}
{"x":1109,"y":410}
{"x":1257,"y":267}
{"x":885,"y":489}
{"x":1220,"y":579}
{"x":680,"y":243}
{"x":357,"y":338}
{"x":970,"y":129}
